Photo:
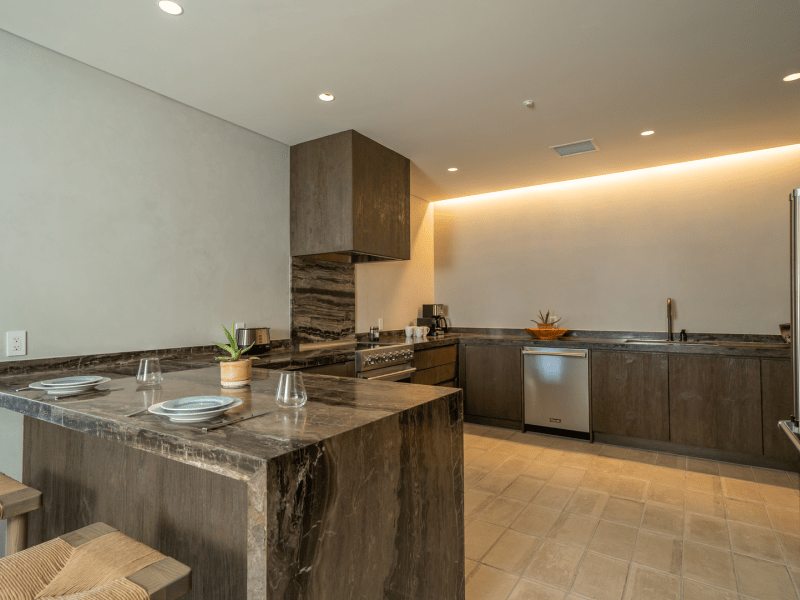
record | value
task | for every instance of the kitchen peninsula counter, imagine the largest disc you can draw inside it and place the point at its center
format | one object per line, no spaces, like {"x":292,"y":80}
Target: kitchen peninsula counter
{"x":358,"y":494}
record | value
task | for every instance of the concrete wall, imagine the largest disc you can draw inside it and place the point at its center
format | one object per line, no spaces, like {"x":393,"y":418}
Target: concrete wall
{"x":396,"y":291}
{"x":605,"y":253}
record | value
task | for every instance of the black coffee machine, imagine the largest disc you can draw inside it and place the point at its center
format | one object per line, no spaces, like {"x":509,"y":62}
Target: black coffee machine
{"x":433,"y":317}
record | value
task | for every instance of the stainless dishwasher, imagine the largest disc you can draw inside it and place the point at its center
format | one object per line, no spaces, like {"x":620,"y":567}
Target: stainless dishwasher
{"x":556,"y":388}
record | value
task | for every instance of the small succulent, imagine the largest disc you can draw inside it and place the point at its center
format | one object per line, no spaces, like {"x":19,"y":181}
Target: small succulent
{"x":233,"y":347}
{"x":545,"y":319}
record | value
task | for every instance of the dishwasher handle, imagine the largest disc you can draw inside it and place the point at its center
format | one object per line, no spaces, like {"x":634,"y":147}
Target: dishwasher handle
{"x":579,"y":353}
{"x":393,"y":376}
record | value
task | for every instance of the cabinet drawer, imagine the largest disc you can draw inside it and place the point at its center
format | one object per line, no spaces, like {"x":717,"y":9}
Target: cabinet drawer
{"x":433,"y":357}
{"x":436,"y":375}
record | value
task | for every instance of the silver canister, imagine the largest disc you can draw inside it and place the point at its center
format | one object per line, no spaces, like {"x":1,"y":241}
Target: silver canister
{"x":252,"y":335}
{"x":374,"y":334}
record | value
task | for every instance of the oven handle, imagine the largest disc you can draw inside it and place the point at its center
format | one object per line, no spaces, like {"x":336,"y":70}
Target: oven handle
{"x":392,"y":376}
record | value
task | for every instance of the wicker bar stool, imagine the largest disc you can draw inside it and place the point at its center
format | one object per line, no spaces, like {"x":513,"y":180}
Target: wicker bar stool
{"x":16,"y":501}
{"x":94,"y":563}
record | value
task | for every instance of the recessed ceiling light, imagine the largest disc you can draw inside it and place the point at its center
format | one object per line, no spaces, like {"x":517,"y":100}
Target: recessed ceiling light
{"x":452,"y":169}
{"x":326,"y":97}
{"x":648,"y":132}
{"x":170,"y":7}
{"x":792,"y":77}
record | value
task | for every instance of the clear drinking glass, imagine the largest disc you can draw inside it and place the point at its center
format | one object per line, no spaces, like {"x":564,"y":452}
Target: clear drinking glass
{"x":149,"y":372}
{"x":291,"y":390}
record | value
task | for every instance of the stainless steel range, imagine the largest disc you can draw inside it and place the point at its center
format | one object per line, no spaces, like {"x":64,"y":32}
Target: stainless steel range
{"x":385,"y":361}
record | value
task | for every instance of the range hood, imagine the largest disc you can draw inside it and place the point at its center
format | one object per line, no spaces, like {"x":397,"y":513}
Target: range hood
{"x":350,"y":200}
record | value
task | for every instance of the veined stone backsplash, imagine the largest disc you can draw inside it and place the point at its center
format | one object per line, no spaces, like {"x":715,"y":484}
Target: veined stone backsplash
{"x":323,"y":300}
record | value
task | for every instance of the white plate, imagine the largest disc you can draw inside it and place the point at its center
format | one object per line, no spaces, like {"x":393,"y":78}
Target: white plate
{"x":69,"y":382}
{"x":195,"y":417}
{"x":69,"y":391}
{"x":196,"y":404}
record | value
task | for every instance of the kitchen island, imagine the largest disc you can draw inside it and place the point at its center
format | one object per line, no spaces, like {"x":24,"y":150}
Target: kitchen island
{"x":359,"y":494}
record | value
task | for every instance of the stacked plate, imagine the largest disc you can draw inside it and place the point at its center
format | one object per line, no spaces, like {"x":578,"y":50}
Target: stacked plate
{"x":69,"y":386}
{"x":194,"y":409}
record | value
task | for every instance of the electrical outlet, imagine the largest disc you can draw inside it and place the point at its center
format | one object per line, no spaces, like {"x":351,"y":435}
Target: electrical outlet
{"x":380,"y":324}
{"x":16,"y":343}
{"x":237,"y":326}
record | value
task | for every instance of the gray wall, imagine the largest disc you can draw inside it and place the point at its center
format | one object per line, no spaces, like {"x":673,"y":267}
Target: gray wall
{"x":127,"y":220}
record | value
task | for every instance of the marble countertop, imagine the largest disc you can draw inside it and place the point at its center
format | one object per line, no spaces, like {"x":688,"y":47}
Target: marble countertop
{"x":335,"y":405}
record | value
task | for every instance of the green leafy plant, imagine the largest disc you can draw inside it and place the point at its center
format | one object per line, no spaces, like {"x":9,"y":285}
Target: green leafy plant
{"x":545,"y":319}
{"x":233,"y":348}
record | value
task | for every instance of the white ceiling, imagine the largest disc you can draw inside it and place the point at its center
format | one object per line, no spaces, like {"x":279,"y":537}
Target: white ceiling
{"x":443,"y":81}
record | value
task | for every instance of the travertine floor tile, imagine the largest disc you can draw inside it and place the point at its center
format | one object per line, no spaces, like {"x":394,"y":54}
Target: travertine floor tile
{"x":552,"y":496}
{"x":663,"y":519}
{"x":784,"y":519}
{"x":568,"y":477}
{"x":707,"y":530}
{"x":779,"y":496}
{"x":535,"y":520}
{"x":475,"y":429}
{"x":643,"y":456}
{"x":489,"y":460}
{"x":698,"y":591}
{"x":637,"y":470}
{"x":549,"y":455}
{"x":470,"y":454}
{"x":627,"y":512}
{"x":699,"y":465}
{"x":763,"y":580}
{"x":630,"y":488}
{"x":710,"y":565}
{"x":601,"y":578}
{"x":614,"y":539}
{"x":512,"y":465}
{"x":607,"y":465}
{"x":705,"y":504}
{"x":533,"y":590}
{"x":528,"y":452}
{"x":646,"y":584}
{"x":664,"y":494}
{"x":620,"y":452}
{"x":475,"y":500}
{"x":741,"y":490}
{"x":531,"y":439}
{"x":494,"y":483}
{"x":658,"y":551}
{"x":555,"y":565}
{"x":671,"y":461}
{"x":790,"y":544}
{"x":506,"y":447}
{"x":587,"y":502}
{"x":751,"y":513}
{"x":579,"y":460}
{"x":736,"y":471}
{"x":756,"y":541}
{"x":472,"y":475}
{"x":572,"y":529}
{"x":512,"y":552}
{"x":667,"y":476}
{"x":469,"y":567}
{"x":488,"y":583}
{"x":599,"y":481}
{"x":479,"y":536}
{"x":770,"y":477}
{"x":540,"y":470}
{"x":795,"y":575}
{"x":499,"y":433}
{"x":524,"y":488}
{"x":702,"y":482}
{"x":500,"y":511}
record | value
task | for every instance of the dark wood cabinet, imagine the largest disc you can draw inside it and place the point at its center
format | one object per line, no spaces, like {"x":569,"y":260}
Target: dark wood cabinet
{"x":436,"y":366}
{"x":776,"y":405}
{"x":715,"y":402}
{"x":350,"y":197}
{"x":492,"y":383}
{"x":630,"y":394}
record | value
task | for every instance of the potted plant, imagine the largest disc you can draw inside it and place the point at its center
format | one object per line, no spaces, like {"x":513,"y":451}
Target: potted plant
{"x":234,"y":371}
{"x":545,"y":321}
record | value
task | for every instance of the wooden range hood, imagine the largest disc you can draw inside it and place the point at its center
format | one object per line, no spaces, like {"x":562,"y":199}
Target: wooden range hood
{"x":350,"y":200}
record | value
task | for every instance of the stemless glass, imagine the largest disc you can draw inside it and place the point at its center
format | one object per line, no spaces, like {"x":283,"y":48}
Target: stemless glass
{"x":149,"y":372}
{"x":291,"y":390}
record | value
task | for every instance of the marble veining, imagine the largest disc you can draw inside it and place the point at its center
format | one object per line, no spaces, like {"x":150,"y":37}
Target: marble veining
{"x":323,"y":300}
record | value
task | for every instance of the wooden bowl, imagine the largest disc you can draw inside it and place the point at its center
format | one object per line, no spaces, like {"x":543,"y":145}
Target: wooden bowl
{"x":546,"y":334}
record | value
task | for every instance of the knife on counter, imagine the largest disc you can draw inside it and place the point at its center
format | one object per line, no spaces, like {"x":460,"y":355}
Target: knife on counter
{"x":232,"y":421}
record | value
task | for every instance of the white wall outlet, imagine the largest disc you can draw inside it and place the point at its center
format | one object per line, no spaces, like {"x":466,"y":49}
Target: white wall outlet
{"x":237,"y":326}
{"x":380,"y":324}
{"x":16,"y":343}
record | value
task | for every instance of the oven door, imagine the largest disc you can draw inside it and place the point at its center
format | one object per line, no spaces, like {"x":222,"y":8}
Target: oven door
{"x":398,"y":373}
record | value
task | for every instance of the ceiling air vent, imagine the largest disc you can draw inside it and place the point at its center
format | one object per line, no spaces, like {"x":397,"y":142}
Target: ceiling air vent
{"x":576,"y":148}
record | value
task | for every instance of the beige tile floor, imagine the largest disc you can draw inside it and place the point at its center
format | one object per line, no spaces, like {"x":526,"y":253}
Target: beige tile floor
{"x":550,"y":518}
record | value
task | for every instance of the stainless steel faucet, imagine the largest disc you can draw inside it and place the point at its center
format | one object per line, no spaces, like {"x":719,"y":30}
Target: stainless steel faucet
{"x":669,"y":319}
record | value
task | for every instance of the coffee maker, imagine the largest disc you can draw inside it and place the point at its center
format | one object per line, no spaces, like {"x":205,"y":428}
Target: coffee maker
{"x":433,"y":317}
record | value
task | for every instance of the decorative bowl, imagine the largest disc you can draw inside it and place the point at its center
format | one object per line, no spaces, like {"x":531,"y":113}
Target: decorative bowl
{"x":546,"y":334}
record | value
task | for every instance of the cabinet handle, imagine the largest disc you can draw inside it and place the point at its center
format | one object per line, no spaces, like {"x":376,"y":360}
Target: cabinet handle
{"x":578,"y":354}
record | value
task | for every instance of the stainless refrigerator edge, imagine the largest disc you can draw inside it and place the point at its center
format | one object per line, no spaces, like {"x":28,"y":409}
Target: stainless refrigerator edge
{"x":791,"y":427}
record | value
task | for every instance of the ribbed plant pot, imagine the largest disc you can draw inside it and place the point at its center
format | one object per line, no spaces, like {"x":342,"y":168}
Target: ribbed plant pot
{"x":235,"y":373}
{"x":546,"y":325}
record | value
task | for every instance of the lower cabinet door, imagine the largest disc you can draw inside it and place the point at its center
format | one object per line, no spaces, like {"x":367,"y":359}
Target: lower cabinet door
{"x":776,"y":405}
{"x":715,"y":402}
{"x":630,"y":394}
{"x":493,"y":384}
